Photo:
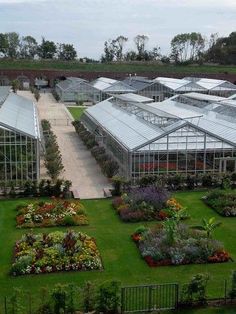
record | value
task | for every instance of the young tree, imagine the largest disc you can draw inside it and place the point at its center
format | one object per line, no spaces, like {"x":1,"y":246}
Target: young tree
{"x":15,"y":85}
{"x":208,"y":226}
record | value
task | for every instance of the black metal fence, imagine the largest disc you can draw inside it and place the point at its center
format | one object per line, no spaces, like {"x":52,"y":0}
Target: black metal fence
{"x":149,"y":298}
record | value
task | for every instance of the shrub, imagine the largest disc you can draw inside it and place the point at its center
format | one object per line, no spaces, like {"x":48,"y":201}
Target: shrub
{"x":222,"y":202}
{"x":195,"y":290}
{"x":232,"y":292}
{"x":108,"y":300}
{"x":110,"y":168}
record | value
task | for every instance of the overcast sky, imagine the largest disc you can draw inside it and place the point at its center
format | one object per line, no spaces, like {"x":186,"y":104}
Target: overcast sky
{"x":88,"y":23}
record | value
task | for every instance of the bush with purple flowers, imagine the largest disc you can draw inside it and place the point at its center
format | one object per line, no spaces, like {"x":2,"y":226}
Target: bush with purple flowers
{"x":142,"y":204}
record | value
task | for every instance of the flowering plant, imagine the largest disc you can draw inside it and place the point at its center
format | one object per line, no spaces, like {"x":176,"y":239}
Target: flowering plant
{"x":55,"y":212}
{"x":53,"y":252}
{"x":187,"y":246}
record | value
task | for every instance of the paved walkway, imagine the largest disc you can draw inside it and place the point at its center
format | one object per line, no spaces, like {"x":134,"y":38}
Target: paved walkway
{"x":80,"y":167}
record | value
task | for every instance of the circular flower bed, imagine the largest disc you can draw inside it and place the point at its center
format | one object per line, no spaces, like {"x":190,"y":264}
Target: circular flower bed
{"x":53,"y":252}
{"x":52,"y":213}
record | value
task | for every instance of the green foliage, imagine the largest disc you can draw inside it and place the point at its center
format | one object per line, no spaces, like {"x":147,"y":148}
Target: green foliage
{"x":108,"y":300}
{"x":89,"y":296}
{"x":15,"y":85}
{"x":118,"y":183}
{"x":140,"y":230}
{"x":59,"y":298}
{"x":36,"y":94}
{"x":208,"y":226}
{"x":195,"y":290}
{"x":52,"y":157}
{"x":232,"y":292}
{"x":224,"y":202}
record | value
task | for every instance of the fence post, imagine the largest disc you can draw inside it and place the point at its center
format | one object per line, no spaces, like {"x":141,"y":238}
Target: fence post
{"x":30,"y":304}
{"x":5,"y":305}
{"x":176,"y":295}
{"x":225,"y":285}
{"x":122,"y":299}
{"x":150,"y":298}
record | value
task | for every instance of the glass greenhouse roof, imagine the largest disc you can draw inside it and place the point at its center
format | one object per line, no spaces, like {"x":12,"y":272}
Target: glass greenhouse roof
{"x":4,"y":91}
{"x":20,"y":114}
{"x":133,"y":130}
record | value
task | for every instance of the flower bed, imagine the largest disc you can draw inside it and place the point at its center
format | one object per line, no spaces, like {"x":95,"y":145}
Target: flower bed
{"x":146,"y":203}
{"x":52,"y":213}
{"x":177,"y":244}
{"x":223,"y":203}
{"x":53,"y":252}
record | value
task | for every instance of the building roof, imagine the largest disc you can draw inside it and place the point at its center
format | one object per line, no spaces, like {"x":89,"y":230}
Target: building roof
{"x":130,"y":97}
{"x":128,"y":129}
{"x":232,"y":96}
{"x":135,"y":132}
{"x":212,"y":84}
{"x":138,"y":82}
{"x":4,"y":92}
{"x":119,"y":87}
{"x":19,"y":114}
{"x":103,"y":83}
{"x":70,"y":83}
{"x":204,"y":97}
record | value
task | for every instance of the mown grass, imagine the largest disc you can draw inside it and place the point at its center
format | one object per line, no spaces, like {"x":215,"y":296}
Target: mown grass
{"x":120,"y":256}
{"x":111,"y":67}
{"x":218,"y":310}
{"x":76,"y":112}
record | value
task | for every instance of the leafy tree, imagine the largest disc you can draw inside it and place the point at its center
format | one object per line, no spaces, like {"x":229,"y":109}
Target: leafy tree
{"x":47,"y":49}
{"x":120,"y":41}
{"x":222,"y":50}
{"x":109,"y":51}
{"x":131,"y":56}
{"x":3,"y":44}
{"x":187,"y":47}
{"x":66,"y":52}
{"x":140,"y":42}
{"x":13,"y":45}
{"x":28,"y":47}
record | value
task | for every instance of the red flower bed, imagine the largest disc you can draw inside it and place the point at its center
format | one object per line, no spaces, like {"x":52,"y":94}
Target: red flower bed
{"x":219,"y":257}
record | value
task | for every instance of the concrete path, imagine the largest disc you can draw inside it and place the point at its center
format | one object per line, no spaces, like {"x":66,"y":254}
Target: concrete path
{"x":80,"y":167}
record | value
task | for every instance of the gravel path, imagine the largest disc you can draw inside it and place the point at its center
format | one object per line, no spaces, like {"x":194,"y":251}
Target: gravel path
{"x":80,"y":167}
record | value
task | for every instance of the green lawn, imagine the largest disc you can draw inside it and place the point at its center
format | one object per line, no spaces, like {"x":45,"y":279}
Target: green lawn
{"x":120,"y":256}
{"x":220,"y":310}
{"x":111,"y":67}
{"x":76,"y":112}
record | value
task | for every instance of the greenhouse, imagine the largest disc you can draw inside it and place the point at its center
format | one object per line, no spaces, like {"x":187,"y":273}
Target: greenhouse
{"x":185,"y":134}
{"x":19,"y":139}
{"x":163,"y":88}
{"x":104,"y":87}
{"x":75,"y":89}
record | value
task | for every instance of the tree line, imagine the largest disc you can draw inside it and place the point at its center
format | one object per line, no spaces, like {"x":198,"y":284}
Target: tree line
{"x":186,"y":48}
{"x":14,"y":46}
